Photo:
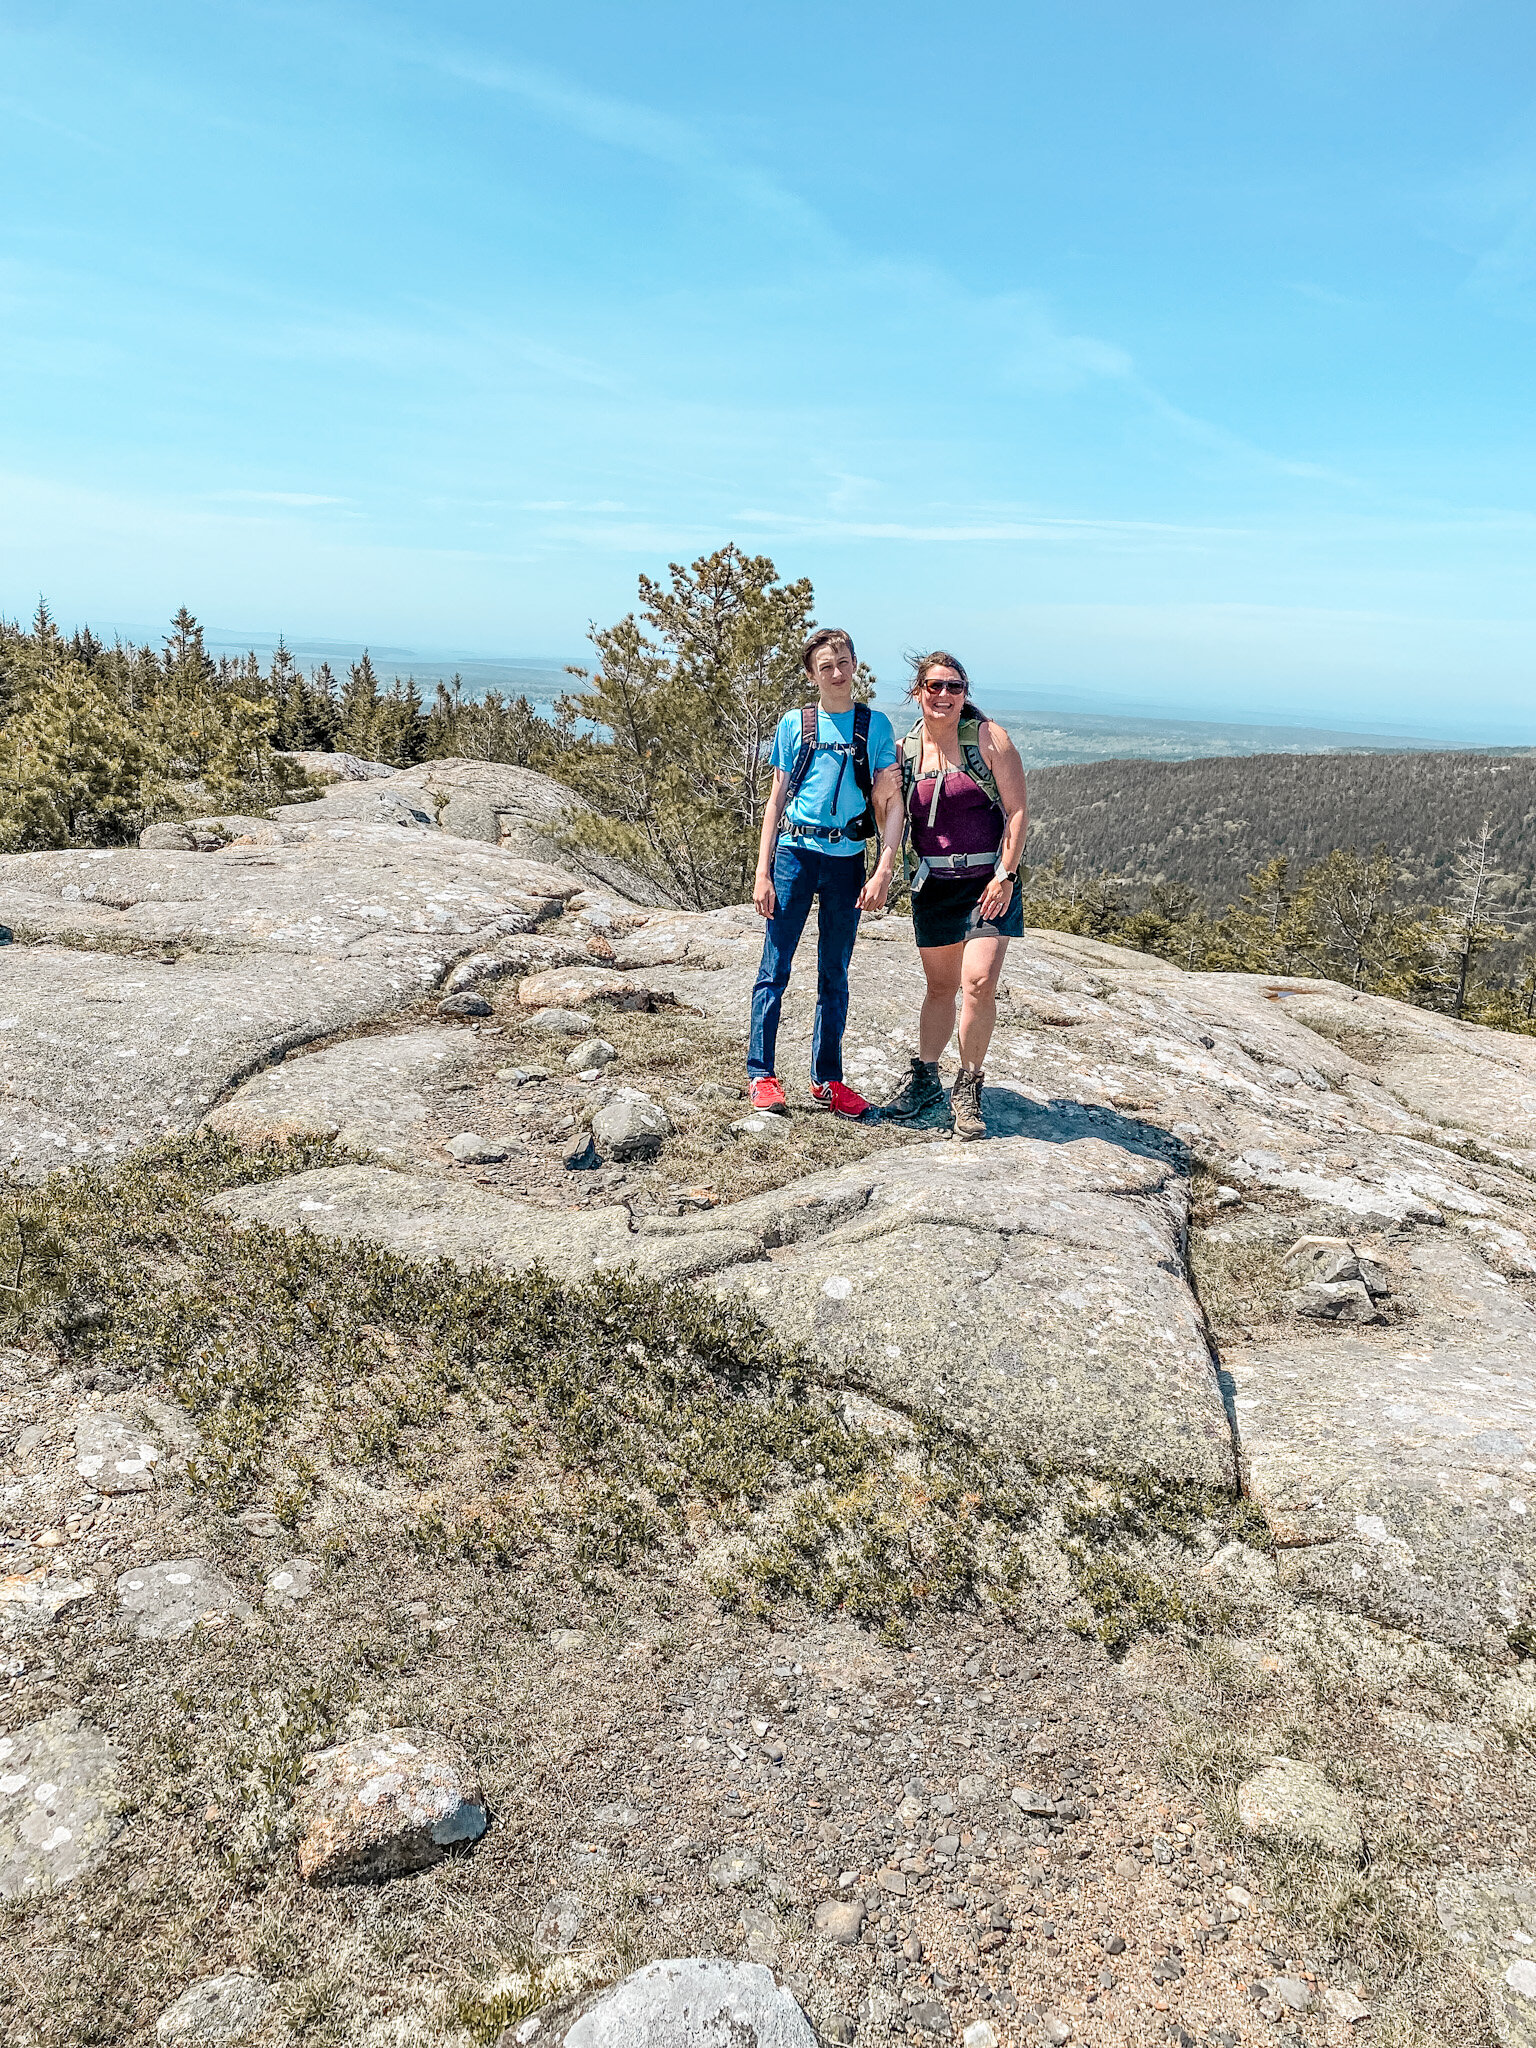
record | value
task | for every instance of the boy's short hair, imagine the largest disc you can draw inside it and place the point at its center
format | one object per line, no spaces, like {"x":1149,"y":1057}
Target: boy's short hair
{"x":825,"y":638}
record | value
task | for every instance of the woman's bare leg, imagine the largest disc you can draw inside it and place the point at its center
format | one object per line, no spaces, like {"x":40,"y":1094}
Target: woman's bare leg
{"x":936,"y":1021}
{"x":979,"y":973}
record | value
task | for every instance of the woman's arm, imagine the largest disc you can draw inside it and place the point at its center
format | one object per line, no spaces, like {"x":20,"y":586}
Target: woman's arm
{"x":1002,"y":757}
{"x":886,"y":798}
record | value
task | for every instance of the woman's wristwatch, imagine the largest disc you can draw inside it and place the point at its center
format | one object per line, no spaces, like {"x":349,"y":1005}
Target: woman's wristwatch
{"x":1002,"y":875}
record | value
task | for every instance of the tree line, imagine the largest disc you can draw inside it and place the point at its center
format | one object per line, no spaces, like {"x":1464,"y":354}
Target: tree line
{"x":1348,"y":917}
{"x":98,"y":740}
{"x":665,"y":737}
{"x":1207,"y":823}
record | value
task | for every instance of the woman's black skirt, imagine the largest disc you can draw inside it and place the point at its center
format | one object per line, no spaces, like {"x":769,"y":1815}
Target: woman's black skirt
{"x":944,"y":911}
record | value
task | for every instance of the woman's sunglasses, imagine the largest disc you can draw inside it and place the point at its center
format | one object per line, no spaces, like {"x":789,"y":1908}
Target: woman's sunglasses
{"x":938,"y":686}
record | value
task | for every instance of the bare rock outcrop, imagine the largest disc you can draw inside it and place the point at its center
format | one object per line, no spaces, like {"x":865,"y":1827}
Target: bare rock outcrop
{"x":1361,"y":1350}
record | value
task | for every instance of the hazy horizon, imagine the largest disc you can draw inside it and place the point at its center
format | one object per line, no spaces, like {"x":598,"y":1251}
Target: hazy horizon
{"x":1052,"y":727}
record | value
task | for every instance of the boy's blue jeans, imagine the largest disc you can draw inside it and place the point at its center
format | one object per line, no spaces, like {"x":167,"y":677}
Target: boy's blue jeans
{"x":833,"y":881}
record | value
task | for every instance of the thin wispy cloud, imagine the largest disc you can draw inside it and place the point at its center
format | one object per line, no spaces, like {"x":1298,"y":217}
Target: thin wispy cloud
{"x":1323,"y":295}
{"x":18,"y":110}
{"x":295,"y":498}
{"x":605,"y":118}
{"x":1490,"y":213}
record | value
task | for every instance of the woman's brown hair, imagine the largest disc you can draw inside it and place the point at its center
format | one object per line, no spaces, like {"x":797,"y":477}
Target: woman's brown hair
{"x":921,"y":664}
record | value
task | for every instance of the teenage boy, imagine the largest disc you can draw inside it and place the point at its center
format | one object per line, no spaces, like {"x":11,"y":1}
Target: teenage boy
{"x":834,"y":774}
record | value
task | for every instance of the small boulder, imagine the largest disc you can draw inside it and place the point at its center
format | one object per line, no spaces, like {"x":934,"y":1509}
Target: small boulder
{"x":572,"y":987}
{"x":166,"y":837}
{"x":563,"y":1023}
{"x":1294,"y":1803}
{"x":112,"y":1456}
{"x":694,"y":2002}
{"x":1294,"y":1993}
{"x":466,"y":1005}
{"x":592,"y":1052}
{"x":218,"y":2009}
{"x":631,"y":1127}
{"x":168,"y":1600}
{"x":1336,"y":1301}
{"x":470,"y":1149}
{"x":716,"y":1091}
{"x":558,"y":1925}
{"x":840,"y":1920}
{"x":1375,"y":1279}
{"x":763,"y":1128}
{"x":33,"y":1601}
{"x":737,"y":1867}
{"x":59,"y":1802}
{"x":383,"y":1805}
{"x":288,"y":1584}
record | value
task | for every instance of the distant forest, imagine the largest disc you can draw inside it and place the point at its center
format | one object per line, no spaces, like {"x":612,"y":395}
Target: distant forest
{"x":1209,"y":824}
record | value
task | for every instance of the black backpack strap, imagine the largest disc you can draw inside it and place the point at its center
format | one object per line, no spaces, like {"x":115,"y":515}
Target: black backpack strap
{"x":861,"y":774}
{"x":807,"y":753}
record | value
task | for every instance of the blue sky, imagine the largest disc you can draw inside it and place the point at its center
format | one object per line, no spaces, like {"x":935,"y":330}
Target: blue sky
{"x":1165,"y":358}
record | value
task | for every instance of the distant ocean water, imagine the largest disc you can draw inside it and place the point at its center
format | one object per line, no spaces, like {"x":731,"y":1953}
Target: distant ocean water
{"x":1046,"y":736}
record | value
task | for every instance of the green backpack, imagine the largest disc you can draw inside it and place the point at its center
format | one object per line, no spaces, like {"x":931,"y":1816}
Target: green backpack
{"x":911,"y":753}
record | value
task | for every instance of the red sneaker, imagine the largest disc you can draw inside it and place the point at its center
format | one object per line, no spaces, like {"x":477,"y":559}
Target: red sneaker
{"x":834,"y":1096}
{"x":767,"y":1094}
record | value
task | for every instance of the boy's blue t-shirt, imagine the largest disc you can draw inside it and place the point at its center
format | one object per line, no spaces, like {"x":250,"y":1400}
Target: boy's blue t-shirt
{"x":824,"y":797}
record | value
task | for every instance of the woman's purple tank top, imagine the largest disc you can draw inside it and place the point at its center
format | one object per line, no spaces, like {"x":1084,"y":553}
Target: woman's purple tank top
{"x":967,"y":821}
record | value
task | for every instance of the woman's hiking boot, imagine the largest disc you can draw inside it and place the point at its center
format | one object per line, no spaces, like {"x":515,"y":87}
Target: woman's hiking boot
{"x":919,"y":1095}
{"x":965,"y":1103}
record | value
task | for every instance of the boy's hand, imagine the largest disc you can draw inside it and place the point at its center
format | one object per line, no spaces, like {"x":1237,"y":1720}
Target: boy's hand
{"x":874,"y":892}
{"x":764,"y":902}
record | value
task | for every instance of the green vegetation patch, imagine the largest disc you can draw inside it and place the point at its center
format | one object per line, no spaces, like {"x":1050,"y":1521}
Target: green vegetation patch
{"x":513,"y":1419}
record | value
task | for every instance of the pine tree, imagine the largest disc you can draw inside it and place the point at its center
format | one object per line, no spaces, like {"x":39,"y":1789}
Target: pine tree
{"x":73,"y":770}
{"x":360,"y":709}
{"x":1345,"y":923}
{"x":688,"y":696}
{"x":1471,"y":922}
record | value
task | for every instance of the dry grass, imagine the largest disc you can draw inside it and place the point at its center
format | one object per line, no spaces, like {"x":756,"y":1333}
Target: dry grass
{"x":1241,"y":1282}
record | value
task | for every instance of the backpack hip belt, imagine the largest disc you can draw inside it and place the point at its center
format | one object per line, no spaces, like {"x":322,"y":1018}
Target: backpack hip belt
{"x":792,"y":830}
{"x":951,"y":863}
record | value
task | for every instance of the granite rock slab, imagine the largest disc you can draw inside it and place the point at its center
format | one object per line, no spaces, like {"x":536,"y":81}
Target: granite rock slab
{"x":168,"y":1600}
{"x":208,"y":967}
{"x":1492,"y":1919}
{"x":229,"y":2007}
{"x":113,"y":1455}
{"x":694,"y":2002}
{"x":1294,"y":1804}
{"x":370,"y":1094}
{"x":60,"y":1795}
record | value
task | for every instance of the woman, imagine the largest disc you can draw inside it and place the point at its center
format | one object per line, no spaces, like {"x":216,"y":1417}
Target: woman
{"x":966,"y":816}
